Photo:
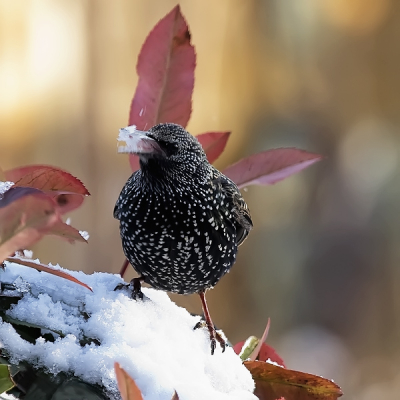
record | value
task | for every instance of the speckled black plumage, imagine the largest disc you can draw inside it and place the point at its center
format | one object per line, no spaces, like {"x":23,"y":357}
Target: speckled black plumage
{"x":181,"y":220}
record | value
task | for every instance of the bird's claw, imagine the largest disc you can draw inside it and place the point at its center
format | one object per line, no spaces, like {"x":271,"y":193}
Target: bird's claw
{"x":133,"y":287}
{"x":136,"y":288}
{"x":214,"y":336}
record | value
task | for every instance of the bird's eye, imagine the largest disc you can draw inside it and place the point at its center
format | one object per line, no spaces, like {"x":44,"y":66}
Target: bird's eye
{"x":169,"y":148}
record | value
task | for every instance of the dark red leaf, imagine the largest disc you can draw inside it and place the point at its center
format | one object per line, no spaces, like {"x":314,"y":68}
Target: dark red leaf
{"x":268,"y":353}
{"x":271,"y":166}
{"x":238,"y":347}
{"x":166,"y":75}
{"x":27,"y":216}
{"x":66,"y":202}
{"x":64,"y":188}
{"x":213,"y":143}
{"x":49,"y":270}
{"x":66,"y":232}
{"x":47,"y":179}
{"x":273,"y":382}
{"x":126,"y":385}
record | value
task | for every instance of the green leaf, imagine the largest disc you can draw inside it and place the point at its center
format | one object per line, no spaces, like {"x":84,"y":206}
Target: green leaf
{"x":6,"y":383}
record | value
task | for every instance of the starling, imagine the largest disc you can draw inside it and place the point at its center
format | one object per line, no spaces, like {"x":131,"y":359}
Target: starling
{"x":181,"y":220}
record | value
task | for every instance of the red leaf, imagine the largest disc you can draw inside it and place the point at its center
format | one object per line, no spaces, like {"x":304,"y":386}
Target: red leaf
{"x":49,"y":270}
{"x":213,"y":143}
{"x":273,"y":382}
{"x":268,"y":353}
{"x":46,"y":178}
{"x":26,"y":215}
{"x":126,"y":385}
{"x":66,"y":190}
{"x":66,"y":202}
{"x":256,"y":351}
{"x":271,"y":166}
{"x":66,"y":231}
{"x":238,"y":347}
{"x":166,"y":75}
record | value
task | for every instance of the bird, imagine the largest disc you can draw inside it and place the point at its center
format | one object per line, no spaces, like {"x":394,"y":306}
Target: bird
{"x":181,"y":220}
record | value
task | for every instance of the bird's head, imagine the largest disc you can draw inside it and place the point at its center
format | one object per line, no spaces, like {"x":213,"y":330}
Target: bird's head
{"x":165,"y":145}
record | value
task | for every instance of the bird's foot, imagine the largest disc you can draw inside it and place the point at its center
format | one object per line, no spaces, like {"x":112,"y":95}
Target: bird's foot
{"x":214,"y":335}
{"x":134,"y":287}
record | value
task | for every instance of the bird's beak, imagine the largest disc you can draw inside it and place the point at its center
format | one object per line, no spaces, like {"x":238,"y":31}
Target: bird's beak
{"x":137,"y":142}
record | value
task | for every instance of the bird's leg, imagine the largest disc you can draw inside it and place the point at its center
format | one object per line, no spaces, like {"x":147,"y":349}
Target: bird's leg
{"x":134,"y":287}
{"x":124,"y":267}
{"x":137,"y":287}
{"x":214,"y":336}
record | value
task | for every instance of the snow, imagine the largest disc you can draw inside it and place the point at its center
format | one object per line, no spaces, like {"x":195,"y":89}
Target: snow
{"x":28,"y":253}
{"x":128,"y":136}
{"x":153,"y":340}
{"x":136,"y":141}
{"x":4,"y":186}
{"x":269,"y":361}
{"x":84,"y":234}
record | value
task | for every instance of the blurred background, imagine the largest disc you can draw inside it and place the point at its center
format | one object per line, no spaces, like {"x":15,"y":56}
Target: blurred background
{"x":321,"y":75}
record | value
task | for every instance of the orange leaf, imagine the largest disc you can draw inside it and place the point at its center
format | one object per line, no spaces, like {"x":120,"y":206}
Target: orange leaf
{"x":126,"y":385}
{"x":49,"y":270}
{"x":273,"y":382}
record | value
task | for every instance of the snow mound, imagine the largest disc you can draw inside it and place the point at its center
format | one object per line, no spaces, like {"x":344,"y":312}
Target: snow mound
{"x":153,"y":340}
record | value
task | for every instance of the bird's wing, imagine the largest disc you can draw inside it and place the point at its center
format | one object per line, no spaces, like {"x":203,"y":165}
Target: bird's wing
{"x":125,"y":197}
{"x":239,"y":209}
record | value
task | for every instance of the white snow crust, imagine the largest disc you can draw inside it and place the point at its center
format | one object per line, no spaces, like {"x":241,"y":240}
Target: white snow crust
{"x":128,"y":136}
{"x":4,"y":186}
{"x":84,"y":234}
{"x":153,"y":340}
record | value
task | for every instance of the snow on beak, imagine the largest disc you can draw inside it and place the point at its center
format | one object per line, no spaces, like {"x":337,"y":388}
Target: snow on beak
{"x":137,"y":142}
